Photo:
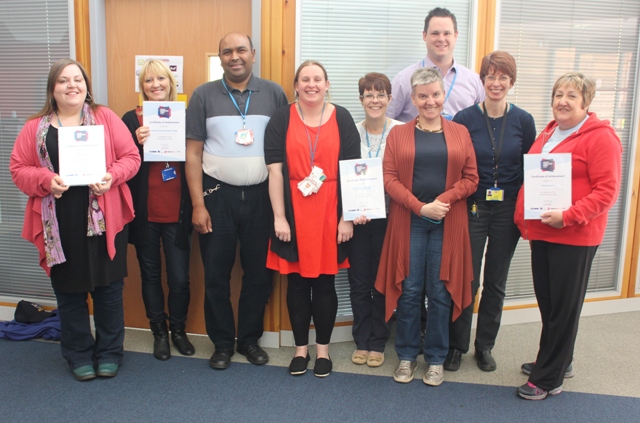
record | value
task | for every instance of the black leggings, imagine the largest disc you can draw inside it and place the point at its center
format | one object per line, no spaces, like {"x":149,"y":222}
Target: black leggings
{"x":312,"y":297}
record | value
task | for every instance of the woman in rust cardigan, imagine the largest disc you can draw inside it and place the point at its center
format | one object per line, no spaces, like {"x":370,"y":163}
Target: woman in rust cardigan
{"x":429,"y":168}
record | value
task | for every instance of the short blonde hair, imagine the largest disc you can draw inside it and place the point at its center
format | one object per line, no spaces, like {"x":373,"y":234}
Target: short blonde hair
{"x":157,"y":67}
{"x":580,"y":82}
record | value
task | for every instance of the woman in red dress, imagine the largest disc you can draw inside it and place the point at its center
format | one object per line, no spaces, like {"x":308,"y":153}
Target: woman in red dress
{"x":303,"y":143}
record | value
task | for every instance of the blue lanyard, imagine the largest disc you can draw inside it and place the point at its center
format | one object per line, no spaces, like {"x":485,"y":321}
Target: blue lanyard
{"x":235,"y":103}
{"x":366,"y":134}
{"x":312,"y":150}
{"x":455,"y":76}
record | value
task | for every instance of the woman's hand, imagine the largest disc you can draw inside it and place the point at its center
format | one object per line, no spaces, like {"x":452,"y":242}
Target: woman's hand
{"x":553,"y":219}
{"x":345,"y":231}
{"x":103,"y":186}
{"x":361,"y":220}
{"x":58,"y":186}
{"x":142,"y":133}
{"x":201,"y":219}
{"x":435,"y":210}
{"x":283,"y":230}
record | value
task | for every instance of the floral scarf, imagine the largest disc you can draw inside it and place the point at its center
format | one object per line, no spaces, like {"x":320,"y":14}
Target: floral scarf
{"x":96,"y":223}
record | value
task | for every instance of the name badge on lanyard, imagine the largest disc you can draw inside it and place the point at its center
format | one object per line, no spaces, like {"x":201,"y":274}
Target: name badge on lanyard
{"x":244,"y":136}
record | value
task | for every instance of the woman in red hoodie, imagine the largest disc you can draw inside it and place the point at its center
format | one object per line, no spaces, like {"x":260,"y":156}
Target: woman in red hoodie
{"x":564,"y":243}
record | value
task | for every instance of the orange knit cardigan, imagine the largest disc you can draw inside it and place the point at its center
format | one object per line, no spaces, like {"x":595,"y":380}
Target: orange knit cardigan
{"x":456,"y":269}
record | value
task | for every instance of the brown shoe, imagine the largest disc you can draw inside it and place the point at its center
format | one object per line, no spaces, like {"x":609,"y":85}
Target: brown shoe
{"x":359,"y":357}
{"x":375,"y":360}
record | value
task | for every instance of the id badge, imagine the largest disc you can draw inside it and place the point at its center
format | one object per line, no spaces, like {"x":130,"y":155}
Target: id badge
{"x":495,"y":194}
{"x":244,"y":137}
{"x":307,"y":186}
{"x":168,"y":173}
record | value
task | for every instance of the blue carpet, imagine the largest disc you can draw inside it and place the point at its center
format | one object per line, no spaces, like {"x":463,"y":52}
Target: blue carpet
{"x":36,"y":385}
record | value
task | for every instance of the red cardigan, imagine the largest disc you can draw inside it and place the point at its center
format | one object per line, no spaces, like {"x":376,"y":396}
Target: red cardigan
{"x":596,"y":168}
{"x":456,"y":269}
{"x":34,"y":180}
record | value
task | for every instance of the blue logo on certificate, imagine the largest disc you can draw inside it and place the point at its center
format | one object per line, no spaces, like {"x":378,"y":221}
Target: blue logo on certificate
{"x":361,"y":168}
{"x":547,"y":165}
{"x":164,"y":112}
{"x":81,"y":135}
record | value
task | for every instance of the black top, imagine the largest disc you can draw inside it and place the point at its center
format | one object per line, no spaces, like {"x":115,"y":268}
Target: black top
{"x":88,"y":264}
{"x":519,"y":135}
{"x":430,"y":166}
{"x":139,"y":186}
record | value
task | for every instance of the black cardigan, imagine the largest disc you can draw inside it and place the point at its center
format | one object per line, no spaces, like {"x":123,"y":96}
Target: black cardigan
{"x":275,"y":148}
{"x":139,"y":186}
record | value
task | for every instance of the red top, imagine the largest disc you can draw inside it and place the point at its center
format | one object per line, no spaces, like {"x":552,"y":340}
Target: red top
{"x":315,"y":215}
{"x":163,"y":201}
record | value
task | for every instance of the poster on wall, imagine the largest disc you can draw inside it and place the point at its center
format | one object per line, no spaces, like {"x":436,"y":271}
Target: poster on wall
{"x":174,"y":63}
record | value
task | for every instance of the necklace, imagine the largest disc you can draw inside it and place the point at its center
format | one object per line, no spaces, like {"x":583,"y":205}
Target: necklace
{"x":425,"y":129}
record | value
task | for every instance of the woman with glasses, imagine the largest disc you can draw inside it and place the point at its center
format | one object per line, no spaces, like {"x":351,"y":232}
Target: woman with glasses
{"x":501,"y":133}
{"x":429,"y":169}
{"x":370,"y":330}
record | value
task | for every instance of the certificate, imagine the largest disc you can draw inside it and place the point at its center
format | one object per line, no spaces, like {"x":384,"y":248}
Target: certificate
{"x":362,"y":189}
{"x":547,"y":183}
{"x":82,"y":159}
{"x":166,"y":122}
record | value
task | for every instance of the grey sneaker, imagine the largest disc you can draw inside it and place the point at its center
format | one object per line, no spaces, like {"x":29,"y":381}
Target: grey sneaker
{"x":434,"y":375}
{"x":528,"y":367}
{"x":405,"y":370}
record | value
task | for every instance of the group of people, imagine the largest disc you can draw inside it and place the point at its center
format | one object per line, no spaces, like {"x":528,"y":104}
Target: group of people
{"x":265,"y":173}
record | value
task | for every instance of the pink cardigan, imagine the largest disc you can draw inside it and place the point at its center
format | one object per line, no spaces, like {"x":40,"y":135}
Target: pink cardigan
{"x":123,"y":161}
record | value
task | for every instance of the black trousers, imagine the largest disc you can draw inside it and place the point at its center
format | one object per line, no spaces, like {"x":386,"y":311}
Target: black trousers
{"x":560,"y":277}
{"x":492,"y":226}
{"x":370,"y":330}
{"x":237,"y":214}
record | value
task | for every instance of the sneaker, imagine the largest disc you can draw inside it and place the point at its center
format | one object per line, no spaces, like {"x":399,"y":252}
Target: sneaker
{"x":434,"y":375}
{"x":528,"y":367}
{"x":529,"y":391}
{"x":405,"y":370}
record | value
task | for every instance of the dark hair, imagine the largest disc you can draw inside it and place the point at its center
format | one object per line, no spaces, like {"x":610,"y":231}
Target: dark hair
{"x":499,"y":61}
{"x":50,"y":105}
{"x":374,"y":81}
{"x":248,"y":38}
{"x":440,"y":12}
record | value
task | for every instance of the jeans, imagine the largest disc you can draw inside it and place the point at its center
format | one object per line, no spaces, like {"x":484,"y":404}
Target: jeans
{"x":177,"y":263}
{"x":77,"y":343}
{"x":425,"y":255}
{"x":370,"y":330}
{"x":237,"y":213}
{"x":492,"y":226}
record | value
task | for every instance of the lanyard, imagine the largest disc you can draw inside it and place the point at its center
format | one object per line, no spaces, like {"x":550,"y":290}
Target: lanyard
{"x":455,"y":76}
{"x":235,"y":103}
{"x":312,"y":150}
{"x":493,"y":140}
{"x":366,"y":134}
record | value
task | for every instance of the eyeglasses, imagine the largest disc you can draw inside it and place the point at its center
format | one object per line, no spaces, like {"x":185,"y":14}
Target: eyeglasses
{"x":502,"y":79}
{"x":370,"y":97}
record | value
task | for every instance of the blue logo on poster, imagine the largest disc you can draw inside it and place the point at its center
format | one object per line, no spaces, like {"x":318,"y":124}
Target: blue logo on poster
{"x":164,"y":112}
{"x":81,"y":135}
{"x":547,"y":165}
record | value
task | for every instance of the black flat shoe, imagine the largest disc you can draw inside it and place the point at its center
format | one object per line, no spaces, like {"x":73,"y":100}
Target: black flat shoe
{"x":323,"y":367}
{"x":181,"y":342}
{"x":299,"y":365}
{"x":486,"y":362}
{"x":255,"y":354}
{"x":452,"y":362}
{"x":221,"y":359}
